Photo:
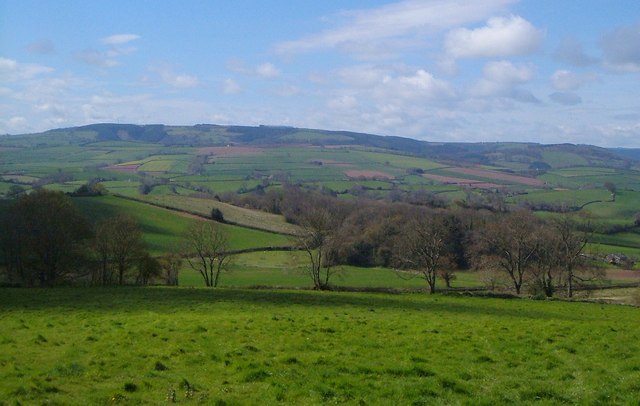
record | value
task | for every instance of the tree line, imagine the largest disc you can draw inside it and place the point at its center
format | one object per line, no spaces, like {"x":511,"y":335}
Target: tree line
{"x":434,"y":243}
{"x":46,"y":241}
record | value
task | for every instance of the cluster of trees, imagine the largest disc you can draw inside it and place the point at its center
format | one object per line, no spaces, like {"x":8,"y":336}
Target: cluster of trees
{"x":45,"y":241}
{"x":433,"y":243}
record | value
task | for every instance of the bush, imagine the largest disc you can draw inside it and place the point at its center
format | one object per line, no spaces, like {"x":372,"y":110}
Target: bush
{"x":216,"y":215}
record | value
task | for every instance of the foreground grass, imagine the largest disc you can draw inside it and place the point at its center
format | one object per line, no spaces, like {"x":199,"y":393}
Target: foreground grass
{"x":156,"y":345}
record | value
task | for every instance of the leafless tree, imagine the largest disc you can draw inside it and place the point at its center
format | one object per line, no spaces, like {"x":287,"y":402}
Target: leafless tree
{"x":511,"y":242}
{"x":170,"y":264}
{"x":547,"y":271}
{"x":319,"y":220}
{"x":119,"y":244}
{"x":422,"y":248}
{"x":569,"y":248}
{"x":206,"y":249}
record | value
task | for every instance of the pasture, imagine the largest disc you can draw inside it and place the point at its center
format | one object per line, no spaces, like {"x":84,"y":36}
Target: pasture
{"x":229,"y":346}
{"x":234,"y":214}
{"x":163,"y":229}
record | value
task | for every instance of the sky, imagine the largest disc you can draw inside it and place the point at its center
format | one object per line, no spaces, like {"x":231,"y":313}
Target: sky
{"x":547,"y":71}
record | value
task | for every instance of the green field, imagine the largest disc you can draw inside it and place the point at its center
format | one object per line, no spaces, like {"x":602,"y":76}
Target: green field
{"x":234,"y":214}
{"x":226,"y":346}
{"x":289,"y":269}
{"x":163,"y":229}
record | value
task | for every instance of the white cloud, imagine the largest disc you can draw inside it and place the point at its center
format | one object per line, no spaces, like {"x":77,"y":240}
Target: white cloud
{"x":364,"y":76}
{"x":17,"y":122}
{"x":97,"y":58}
{"x":343,"y":103}
{"x":507,"y":72}
{"x":11,"y":70}
{"x":420,"y":85}
{"x":267,"y":70}
{"x":394,"y":21}
{"x":567,"y":80}
{"x":230,"y":86}
{"x":503,"y":79}
{"x":622,"y":49}
{"x":119,"y":39}
{"x":500,"y":37}
{"x":177,"y":80}
{"x":182,"y":81}
{"x":108,"y":58}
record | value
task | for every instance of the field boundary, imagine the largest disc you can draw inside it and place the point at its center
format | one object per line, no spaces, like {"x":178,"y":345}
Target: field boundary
{"x":199,"y":215}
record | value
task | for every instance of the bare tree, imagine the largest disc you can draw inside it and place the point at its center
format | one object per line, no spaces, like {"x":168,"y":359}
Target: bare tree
{"x":171,"y":264}
{"x":569,"y":247}
{"x":119,"y":244}
{"x":319,"y":222}
{"x":206,"y":246}
{"x":315,"y":237}
{"x":511,"y":242}
{"x":102,"y":250}
{"x":422,"y":248}
{"x":547,"y":270}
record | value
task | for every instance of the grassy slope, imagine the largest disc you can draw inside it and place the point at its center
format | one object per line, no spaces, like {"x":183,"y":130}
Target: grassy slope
{"x":142,"y":346}
{"x":163,"y":228}
{"x":239,"y":215}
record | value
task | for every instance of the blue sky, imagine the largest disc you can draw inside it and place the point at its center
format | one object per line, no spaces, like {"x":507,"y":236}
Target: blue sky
{"x":439,"y":70}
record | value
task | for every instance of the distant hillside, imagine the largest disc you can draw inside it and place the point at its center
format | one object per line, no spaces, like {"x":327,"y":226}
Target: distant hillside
{"x":633,"y":153}
{"x":521,"y":156}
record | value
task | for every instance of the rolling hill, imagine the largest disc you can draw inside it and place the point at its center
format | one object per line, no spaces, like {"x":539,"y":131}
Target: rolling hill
{"x":193,"y":168}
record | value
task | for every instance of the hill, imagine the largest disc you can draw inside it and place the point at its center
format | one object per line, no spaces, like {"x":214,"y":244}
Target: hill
{"x":208,"y":134}
{"x":198,"y":168}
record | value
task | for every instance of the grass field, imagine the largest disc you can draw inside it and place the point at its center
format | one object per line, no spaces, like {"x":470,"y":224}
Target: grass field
{"x":289,"y":269}
{"x":239,"y":215}
{"x":163,"y":229}
{"x":227,"y":346}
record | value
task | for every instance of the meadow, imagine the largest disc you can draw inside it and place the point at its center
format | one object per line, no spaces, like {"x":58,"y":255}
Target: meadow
{"x":230,"y":346}
{"x":163,"y":229}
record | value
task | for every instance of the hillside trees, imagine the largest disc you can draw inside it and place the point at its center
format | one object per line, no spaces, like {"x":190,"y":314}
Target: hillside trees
{"x":43,"y":237}
{"x":422,"y":246}
{"x":570,"y":245}
{"x":319,"y":222}
{"x":170,"y":264}
{"x":511,"y":242}
{"x":148,"y":268}
{"x":119,"y":246}
{"x":206,"y":250}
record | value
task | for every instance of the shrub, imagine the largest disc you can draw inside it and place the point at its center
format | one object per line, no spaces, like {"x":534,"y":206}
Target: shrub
{"x":216,"y":215}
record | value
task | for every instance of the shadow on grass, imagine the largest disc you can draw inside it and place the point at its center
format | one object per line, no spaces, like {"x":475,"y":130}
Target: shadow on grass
{"x":168,"y":299}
